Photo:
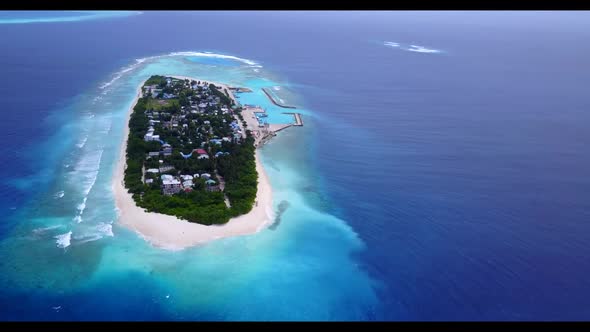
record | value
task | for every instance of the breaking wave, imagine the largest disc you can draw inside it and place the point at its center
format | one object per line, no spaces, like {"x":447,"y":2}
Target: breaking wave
{"x":85,"y":174}
{"x":82,"y":142}
{"x":411,"y":48}
{"x":88,"y":167}
{"x":95,"y":233}
{"x":216,"y":55}
{"x":42,"y":230}
{"x":139,"y":61}
{"x":391,"y":44}
{"x":75,"y":17}
{"x":105,"y":228}
{"x":81,"y":207}
{"x":120,"y":74}
{"x":64,"y":240}
{"x":422,"y":49}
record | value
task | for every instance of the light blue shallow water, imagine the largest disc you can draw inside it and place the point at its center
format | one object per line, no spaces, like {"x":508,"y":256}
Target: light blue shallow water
{"x":78,"y":245}
{"x":442,"y":172}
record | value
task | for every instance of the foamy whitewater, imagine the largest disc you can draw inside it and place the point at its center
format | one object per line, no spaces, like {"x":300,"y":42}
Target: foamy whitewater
{"x":71,"y":16}
{"x":411,"y":48}
{"x":138,"y":62}
{"x":218,"y":280}
{"x":63,"y":240}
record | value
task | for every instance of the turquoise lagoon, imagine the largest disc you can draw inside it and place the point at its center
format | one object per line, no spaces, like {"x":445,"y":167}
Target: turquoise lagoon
{"x":70,"y":251}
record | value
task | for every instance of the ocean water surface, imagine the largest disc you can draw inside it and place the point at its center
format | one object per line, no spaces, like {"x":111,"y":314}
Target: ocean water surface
{"x":37,"y":16}
{"x":442,"y":172}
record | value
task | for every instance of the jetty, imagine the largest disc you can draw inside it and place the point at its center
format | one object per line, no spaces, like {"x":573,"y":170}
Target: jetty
{"x":263,"y":132}
{"x":298,"y":121}
{"x":269,"y":95}
{"x":278,"y":126}
{"x":239,"y":89}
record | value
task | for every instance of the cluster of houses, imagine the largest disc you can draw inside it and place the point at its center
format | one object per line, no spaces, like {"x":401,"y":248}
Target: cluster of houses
{"x":201,"y":102}
{"x":185,"y":182}
{"x":155,"y":92}
{"x":172,"y":185}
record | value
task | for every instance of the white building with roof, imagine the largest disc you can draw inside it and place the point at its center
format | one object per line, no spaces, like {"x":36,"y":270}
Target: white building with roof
{"x":186,"y":177}
{"x":170,"y":187}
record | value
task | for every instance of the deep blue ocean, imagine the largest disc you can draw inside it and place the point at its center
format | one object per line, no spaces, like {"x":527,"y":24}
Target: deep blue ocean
{"x":443,"y":171}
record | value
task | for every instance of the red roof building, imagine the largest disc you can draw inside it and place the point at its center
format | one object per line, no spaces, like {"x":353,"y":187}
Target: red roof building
{"x":200,"y":151}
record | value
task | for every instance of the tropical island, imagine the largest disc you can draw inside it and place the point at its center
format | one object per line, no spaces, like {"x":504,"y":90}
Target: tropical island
{"x":189,"y":170}
{"x":188,"y":153}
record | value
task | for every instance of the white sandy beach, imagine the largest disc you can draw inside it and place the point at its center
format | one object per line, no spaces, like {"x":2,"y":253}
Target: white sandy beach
{"x":172,"y":233}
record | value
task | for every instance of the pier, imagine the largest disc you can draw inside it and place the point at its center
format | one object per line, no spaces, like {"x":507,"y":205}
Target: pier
{"x":269,"y":95}
{"x":238,"y":89}
{"x":298,"y":121}
{"x":263,"y":133}
{"x":278,"y":126}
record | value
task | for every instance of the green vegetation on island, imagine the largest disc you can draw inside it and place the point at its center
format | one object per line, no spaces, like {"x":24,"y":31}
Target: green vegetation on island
{"x":187,"y":153}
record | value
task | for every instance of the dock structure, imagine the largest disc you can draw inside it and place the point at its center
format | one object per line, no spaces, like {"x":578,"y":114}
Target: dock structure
{"x":298,"y":121}
{"x":256,"y":108}
{"x":269,"y":95}
{"x":264,"y":132}
{"x":239,"y":89}
{"x":279,"y":126}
